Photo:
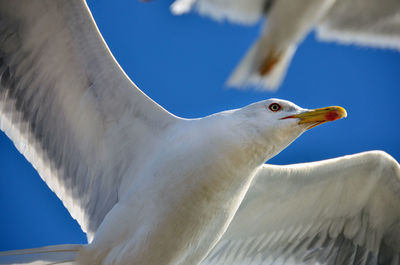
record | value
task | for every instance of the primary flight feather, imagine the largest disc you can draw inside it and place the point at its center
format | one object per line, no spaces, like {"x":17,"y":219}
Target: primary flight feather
{"x":371,"y":23}
{"x":151,"y":188}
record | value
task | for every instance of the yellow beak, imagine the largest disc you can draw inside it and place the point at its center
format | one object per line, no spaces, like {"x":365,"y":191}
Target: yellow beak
{"x":319,"y":116}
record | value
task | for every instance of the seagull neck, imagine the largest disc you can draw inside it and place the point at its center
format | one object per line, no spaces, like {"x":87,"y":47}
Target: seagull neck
{"x":243,"y":144}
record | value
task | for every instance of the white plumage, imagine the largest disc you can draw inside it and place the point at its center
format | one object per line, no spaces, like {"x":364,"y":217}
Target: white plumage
{"x":151,"y":188}
{"x":363,"y":22}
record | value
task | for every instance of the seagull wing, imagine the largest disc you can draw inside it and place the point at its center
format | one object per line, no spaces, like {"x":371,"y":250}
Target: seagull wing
{"x":339,"y":211}
{"x":237,"y":11}
{"x":69,"y":107}
{"x":363,"y":22}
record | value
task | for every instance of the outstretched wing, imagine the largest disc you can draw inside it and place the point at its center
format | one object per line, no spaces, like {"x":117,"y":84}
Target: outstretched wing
{"x":339,"y":211}
{"x":69,"y":107}
{"x":363,"y":22}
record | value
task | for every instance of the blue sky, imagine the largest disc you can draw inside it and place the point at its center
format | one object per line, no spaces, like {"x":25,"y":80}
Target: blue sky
{"x":182,"y":63}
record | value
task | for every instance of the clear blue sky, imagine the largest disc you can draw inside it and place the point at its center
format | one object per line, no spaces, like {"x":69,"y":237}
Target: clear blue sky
{"x":182,"y":63}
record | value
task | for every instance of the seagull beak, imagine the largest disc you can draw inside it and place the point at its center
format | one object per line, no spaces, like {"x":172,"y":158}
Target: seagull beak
{"x":319,"y":116}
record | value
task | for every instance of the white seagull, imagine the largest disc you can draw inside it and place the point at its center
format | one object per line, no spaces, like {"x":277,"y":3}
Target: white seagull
{"x":374,"y":23}
{"x":151,"y":188}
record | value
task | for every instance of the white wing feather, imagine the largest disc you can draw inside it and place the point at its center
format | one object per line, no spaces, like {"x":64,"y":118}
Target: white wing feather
{"x":238,"y":11}
{"x":68,"y":106}
{"x":336,"y":211}
{"x":363,"y":22}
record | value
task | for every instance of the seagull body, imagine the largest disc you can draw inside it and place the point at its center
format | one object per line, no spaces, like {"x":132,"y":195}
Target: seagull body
{"x":363,"y":22}
{"x":187,"y":192}
{"x":151,"y":188}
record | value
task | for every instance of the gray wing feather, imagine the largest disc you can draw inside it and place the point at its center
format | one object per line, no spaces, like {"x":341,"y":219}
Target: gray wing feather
{"x":68,"y":106}
{"x":363,"y":22}
{"x":338,"y":211}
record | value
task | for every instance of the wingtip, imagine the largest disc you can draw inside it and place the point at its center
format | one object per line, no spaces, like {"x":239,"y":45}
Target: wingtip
{"x":180,"y":7}
{"x":257,"y":82}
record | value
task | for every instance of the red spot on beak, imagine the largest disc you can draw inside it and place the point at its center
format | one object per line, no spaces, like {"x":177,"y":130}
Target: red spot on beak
{"x":333,"y":115}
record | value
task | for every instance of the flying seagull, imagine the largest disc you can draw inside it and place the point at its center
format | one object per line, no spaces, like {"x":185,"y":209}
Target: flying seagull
{"x":152,"y":188}
{"x":363,"y":22}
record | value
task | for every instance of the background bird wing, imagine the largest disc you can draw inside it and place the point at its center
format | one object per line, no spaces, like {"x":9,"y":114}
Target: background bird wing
{"x":363,"y":22}
{"x":238,"y":11}
{"x":338,"y":211}
{"x":69,"y":107}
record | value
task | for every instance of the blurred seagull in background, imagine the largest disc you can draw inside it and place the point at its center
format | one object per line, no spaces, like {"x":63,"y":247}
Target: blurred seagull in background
{"x":151,"y":188}
{"x":374,"y":23}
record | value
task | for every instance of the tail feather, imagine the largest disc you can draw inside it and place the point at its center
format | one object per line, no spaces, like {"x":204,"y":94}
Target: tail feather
{"x":57,"y":254}
{"x":263,"y":67}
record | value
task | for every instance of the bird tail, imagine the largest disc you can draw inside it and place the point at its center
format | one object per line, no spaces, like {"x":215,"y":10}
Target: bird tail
{"x":57,"y":254}
{"x":264,"y":66}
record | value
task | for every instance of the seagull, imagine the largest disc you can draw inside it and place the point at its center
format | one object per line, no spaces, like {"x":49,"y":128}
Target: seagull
{"x":149,"y":187}
{"x":362,"y":22}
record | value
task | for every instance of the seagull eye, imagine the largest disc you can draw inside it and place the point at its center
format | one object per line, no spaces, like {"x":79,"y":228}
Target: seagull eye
{"x":274,"y":107}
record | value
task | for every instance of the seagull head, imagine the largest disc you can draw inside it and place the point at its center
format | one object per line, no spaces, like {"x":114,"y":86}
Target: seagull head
{"x":276,"y":123}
